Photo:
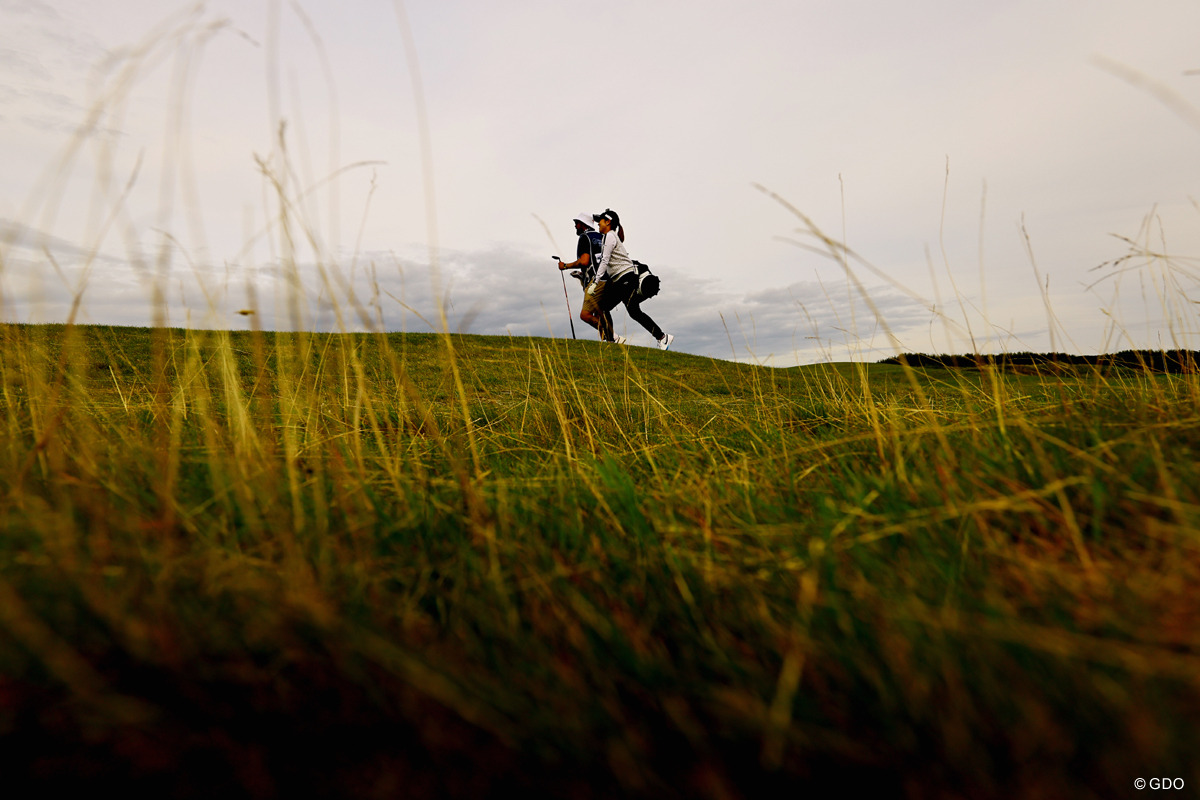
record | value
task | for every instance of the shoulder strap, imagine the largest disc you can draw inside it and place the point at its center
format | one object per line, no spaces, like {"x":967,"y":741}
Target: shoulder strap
{"x":597,"y":243}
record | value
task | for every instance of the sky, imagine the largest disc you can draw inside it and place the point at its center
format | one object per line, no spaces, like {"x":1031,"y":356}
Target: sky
{"x":812,"y":180}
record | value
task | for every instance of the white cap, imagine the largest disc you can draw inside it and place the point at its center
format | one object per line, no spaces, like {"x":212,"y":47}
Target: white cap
{"x":586,"y":219}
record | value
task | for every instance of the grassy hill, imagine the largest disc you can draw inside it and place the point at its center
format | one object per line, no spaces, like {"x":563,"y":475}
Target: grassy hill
{"x":421,"y":565}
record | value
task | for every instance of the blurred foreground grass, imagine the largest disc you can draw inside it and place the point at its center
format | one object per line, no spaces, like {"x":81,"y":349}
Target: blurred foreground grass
{"x":416,"y":565}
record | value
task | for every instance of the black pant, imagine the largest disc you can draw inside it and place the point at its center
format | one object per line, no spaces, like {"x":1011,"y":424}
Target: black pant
{"x":619,"y":291}
{"x":634,"y":306}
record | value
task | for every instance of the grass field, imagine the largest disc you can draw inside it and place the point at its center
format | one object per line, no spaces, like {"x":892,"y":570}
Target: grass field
{"x":420,"y":565}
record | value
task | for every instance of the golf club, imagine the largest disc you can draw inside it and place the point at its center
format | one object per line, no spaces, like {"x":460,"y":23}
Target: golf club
{"x":570,"y":314}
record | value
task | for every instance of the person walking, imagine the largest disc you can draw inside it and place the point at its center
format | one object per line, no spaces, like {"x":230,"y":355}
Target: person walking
{"x":587,"y":250}
{"x":587,"y":256}
{"x":615,"y":280}
{"x":647,"y":287}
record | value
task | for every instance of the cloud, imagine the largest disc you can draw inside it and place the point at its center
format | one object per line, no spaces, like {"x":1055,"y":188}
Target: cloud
{"x":22,"y":65}
{"x":503,"y":291}
{"x":17,"y":236}
{"x":18,"y":11}
{"x":509,"y":291}
{"x":47,"y":60}
{"x":506,"y":290}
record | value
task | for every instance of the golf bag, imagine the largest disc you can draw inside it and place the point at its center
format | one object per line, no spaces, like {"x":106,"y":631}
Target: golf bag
{"x":648,"y":282}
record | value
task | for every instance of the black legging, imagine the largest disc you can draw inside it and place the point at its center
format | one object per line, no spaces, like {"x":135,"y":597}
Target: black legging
{"x":619,"y":291}
{"x":634,"y":306}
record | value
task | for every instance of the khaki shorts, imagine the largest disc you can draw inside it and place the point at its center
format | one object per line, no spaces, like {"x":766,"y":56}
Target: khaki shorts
{"x":592,"y":300}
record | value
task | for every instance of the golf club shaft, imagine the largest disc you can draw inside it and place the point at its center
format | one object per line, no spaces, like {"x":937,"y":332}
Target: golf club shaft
{"x":570,"y":315}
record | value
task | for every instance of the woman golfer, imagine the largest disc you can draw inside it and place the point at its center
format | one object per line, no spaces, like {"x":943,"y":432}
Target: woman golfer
{"x":616,"y":278}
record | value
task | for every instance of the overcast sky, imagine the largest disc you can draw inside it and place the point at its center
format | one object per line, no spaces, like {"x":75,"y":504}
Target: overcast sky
{"x":979,"y":160}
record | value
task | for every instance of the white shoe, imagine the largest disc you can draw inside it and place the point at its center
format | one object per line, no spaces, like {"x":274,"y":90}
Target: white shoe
{"x":620,"y":340}
{"x":665,"y":342}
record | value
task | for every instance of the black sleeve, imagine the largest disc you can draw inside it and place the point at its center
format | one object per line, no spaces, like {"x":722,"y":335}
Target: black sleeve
{"x":582,"y":247}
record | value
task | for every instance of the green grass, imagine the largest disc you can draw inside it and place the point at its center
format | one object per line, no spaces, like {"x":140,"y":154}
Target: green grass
{"x":409,"y":564}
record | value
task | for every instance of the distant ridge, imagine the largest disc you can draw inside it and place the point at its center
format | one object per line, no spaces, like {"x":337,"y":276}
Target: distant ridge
{"x":1176,"y":362}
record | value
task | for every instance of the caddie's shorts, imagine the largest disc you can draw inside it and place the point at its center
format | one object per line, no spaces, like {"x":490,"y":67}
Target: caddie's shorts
{"x":610,"y":294}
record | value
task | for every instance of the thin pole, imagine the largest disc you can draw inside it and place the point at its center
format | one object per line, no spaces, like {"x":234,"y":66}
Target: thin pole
{"x":570,"y":314}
